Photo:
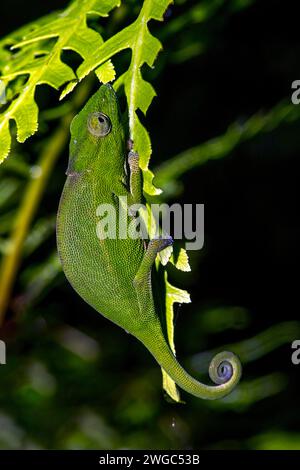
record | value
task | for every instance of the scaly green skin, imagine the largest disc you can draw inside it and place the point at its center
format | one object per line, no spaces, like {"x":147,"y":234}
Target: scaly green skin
{"x":114,"y":275}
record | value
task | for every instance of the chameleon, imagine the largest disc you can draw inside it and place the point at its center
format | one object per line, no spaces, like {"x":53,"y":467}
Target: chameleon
{"x":116,"y":276}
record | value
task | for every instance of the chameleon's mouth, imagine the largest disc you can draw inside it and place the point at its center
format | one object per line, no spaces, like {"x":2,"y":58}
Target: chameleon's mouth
{"x":70,"y":170}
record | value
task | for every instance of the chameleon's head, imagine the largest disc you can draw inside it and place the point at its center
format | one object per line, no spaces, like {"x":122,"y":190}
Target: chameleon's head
{"x":97,"y":136}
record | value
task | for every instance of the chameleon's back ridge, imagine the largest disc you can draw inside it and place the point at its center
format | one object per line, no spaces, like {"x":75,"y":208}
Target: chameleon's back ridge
{"x":112,"y":273}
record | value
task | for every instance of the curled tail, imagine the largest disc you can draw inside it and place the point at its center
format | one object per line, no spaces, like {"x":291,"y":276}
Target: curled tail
{"x":225,"y":370}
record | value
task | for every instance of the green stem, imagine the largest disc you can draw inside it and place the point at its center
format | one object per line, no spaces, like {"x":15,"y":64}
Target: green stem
{"x":31,"y":200}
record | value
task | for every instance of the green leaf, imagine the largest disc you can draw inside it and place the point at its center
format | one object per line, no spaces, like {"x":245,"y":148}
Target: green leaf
{"x":36,"y":57}
{"x":38,"y":60}
{"x":173,"y":295}
{"x":106,"y":72}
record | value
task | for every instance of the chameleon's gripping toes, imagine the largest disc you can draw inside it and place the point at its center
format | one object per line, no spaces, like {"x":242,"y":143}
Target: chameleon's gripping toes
{"x":114,"y":275}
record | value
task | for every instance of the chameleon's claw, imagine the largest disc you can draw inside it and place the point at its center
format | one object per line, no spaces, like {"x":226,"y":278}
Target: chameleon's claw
{"x":129,"y":144}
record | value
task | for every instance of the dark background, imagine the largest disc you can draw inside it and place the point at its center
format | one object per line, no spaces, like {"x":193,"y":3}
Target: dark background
{"x":243,"y":283}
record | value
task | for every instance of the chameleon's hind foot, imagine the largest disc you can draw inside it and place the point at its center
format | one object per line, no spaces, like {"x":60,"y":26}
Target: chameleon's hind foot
{"x":141,"y":280}
{"x":160,"y":243}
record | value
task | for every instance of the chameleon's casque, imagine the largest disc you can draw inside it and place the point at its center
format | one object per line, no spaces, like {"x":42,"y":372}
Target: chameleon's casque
{"x":115,"y":276}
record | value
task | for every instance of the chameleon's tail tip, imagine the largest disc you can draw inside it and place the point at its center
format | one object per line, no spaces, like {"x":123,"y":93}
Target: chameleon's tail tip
{"x":223,"y":366}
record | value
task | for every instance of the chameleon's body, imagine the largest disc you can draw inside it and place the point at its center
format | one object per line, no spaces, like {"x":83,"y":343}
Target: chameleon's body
{"x":114,"y":275}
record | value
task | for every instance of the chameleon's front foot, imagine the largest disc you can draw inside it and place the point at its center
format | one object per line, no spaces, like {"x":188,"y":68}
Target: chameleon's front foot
{"x":133,"y":161}
{"x":135,"y":178}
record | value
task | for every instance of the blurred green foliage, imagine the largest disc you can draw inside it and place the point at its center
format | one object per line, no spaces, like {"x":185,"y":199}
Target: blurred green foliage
{"x":224,"y":134}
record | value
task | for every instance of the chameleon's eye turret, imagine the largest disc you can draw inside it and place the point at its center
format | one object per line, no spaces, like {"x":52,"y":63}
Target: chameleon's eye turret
{"x":99,"y":124}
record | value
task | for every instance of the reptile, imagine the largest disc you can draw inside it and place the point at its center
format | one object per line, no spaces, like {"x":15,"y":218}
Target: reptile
{"x":116,"y":276}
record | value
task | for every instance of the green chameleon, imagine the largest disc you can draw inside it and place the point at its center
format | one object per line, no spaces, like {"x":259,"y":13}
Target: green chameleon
{"x":116,"y":276}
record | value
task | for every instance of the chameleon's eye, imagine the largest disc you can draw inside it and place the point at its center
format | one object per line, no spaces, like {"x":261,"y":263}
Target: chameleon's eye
{"x":99,"y":124}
